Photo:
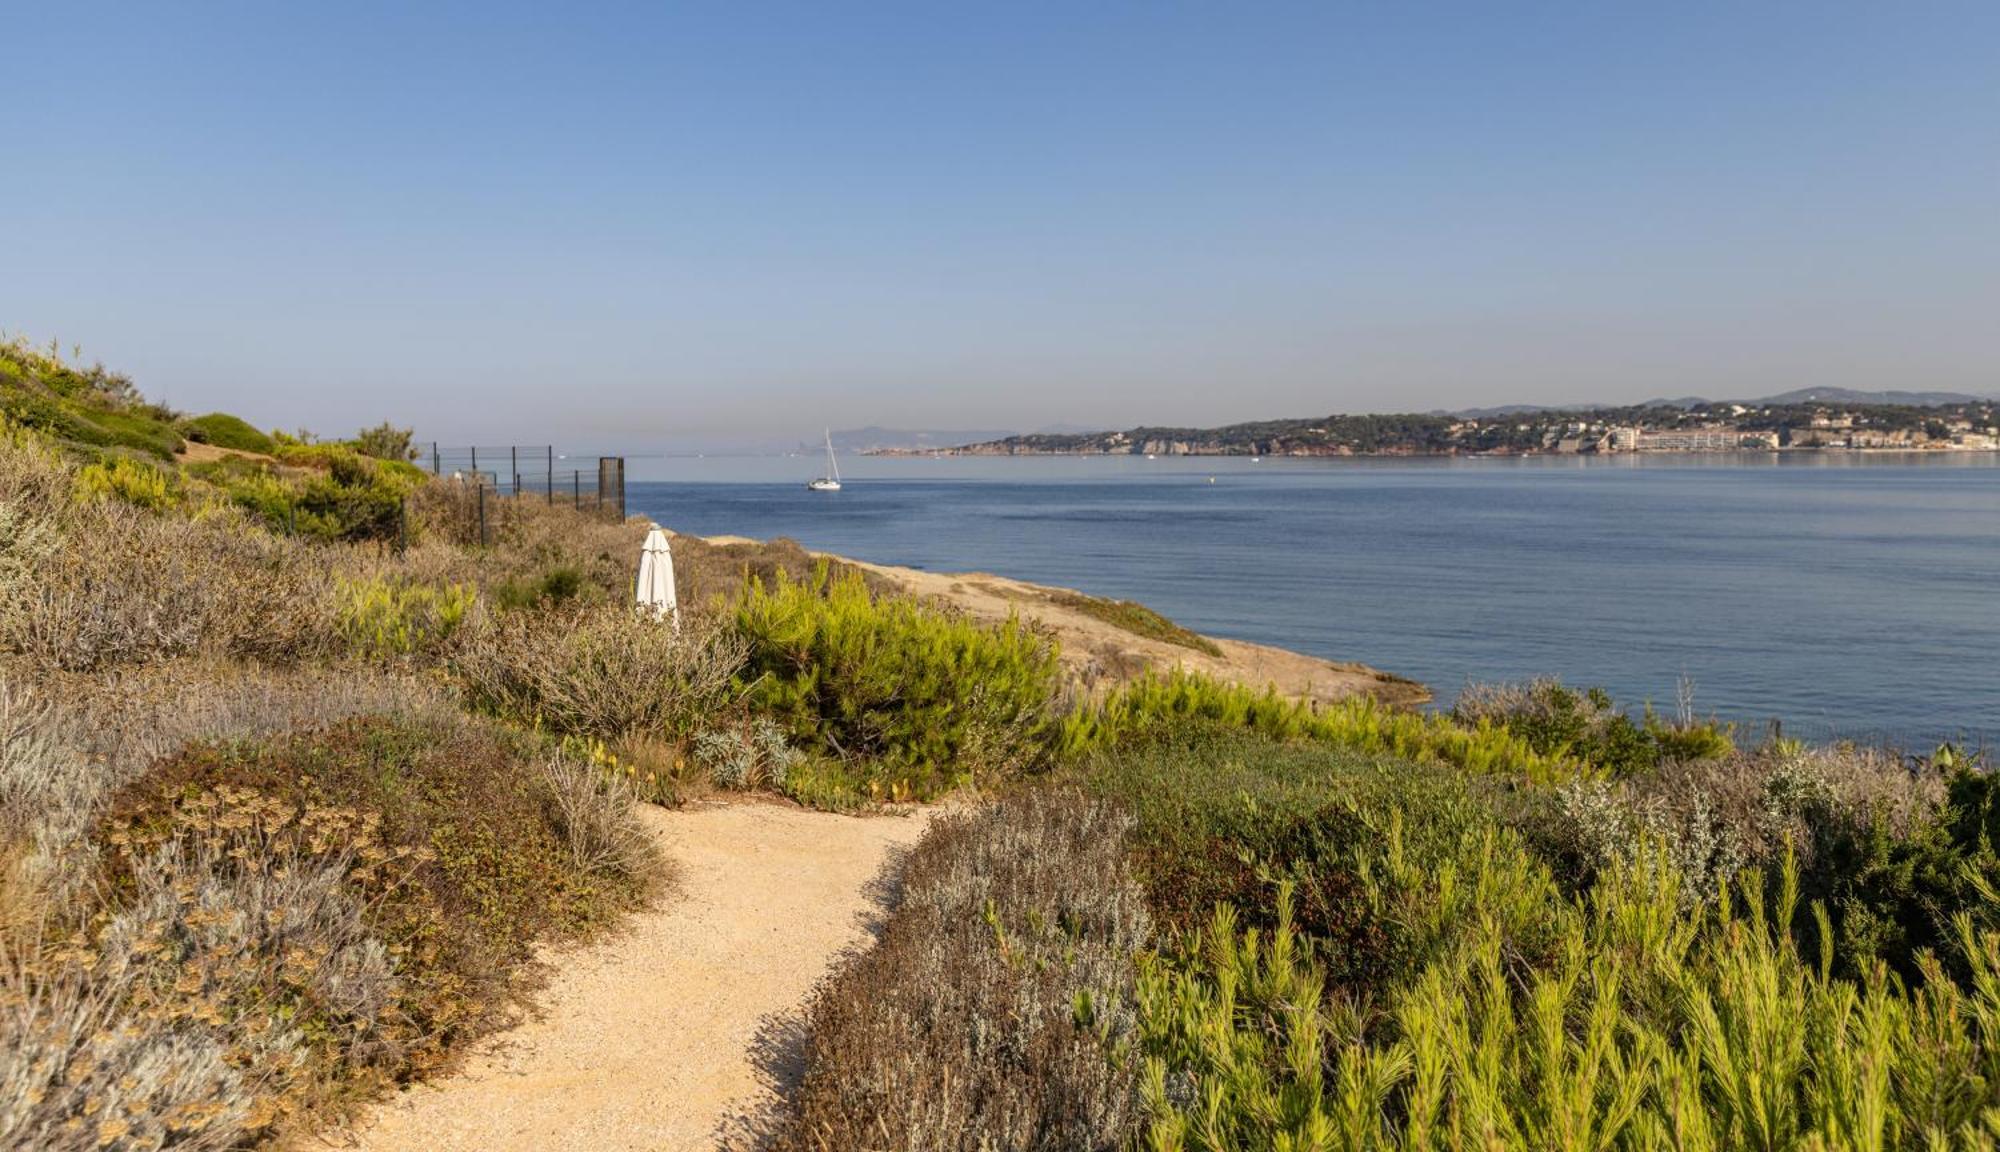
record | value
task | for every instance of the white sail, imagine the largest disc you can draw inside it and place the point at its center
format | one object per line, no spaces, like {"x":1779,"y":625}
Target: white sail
{"x":831,"y":481}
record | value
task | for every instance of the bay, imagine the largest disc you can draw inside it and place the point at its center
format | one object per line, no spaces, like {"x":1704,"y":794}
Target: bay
{"x":1848,"y":595}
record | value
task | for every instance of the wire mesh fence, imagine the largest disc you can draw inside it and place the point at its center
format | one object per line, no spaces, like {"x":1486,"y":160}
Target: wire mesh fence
{"x":486,"y":478}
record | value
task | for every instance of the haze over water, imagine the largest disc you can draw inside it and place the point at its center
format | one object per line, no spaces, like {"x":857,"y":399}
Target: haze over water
{"x":1847,"y":595}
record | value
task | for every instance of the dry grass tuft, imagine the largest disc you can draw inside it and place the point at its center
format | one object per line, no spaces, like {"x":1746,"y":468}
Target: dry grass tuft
{"x":594,"y":812}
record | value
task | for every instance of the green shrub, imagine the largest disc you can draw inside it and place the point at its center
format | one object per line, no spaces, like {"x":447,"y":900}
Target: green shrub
{"x":341,"y":496}
{"x":226,"y":431}
{"x":1156,"y":702}
{"x":1652,"y":1027}
{"x":387,"y":617}
{"x":1588,"y":727}
{"x":385,"y":441}
{"x":135,"y":482}
{"x":561,"y":584}
{"x":1375,"y":847}
{"x":912,"y":697}
{"x":87,"y":424}
{"x":1896,"y":893}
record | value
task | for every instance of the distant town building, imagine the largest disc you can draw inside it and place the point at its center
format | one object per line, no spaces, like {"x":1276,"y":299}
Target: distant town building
{"x":1880,"y":439}
{"x":1691,"y":440}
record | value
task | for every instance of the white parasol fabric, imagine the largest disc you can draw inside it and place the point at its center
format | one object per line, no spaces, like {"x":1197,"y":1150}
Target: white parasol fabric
{"x":656,"y":579}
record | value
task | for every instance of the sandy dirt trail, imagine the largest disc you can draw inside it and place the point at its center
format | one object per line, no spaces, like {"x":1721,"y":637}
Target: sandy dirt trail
{"x":685,"y":1028}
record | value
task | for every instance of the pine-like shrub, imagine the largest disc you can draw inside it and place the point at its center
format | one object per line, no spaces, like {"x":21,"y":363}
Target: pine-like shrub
{"x":911,"y":695}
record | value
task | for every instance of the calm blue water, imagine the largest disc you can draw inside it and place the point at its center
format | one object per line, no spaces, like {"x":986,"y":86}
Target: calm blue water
{"x":1846,"y":595}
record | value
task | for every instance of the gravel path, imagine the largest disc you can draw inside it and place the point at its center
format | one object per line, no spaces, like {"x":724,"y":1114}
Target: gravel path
{"x":682,"y":1031}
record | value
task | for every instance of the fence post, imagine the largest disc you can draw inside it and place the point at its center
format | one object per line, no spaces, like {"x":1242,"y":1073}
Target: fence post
{"x":611,"y":483}
{"x":576,"y":490}
{"x":481,"y":482}
{"x":550,"y":475}
{"x":514,"y":465}
{"x":437,"y":462}
{"x":475,"y":460}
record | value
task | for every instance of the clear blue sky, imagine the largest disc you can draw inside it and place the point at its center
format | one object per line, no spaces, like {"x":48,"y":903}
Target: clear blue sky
{"x":604,"y":222}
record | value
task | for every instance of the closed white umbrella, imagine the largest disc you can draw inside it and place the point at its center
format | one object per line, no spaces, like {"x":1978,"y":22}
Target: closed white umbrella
{"x":656,"y":579}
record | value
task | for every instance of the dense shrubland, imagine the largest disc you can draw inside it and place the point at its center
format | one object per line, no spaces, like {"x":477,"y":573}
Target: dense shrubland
{"x":1364,"y":945}
{"x":282,"y":806}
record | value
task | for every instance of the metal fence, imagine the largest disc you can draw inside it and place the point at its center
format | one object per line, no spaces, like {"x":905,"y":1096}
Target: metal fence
{"x":527,"y":471}
{"x":494,"y":481}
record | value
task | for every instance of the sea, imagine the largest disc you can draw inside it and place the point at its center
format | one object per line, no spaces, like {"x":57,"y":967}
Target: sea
{"x":1841,"y":595}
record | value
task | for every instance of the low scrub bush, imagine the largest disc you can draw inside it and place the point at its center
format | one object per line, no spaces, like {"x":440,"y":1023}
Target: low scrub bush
{"x":561,"y":584}
{"x":76,"y":1075}
{"x":1714,"y":817}
{"x":711,"y":573}
{"x":118,"y":585}
{"x":604,"y":671}
{"x":386,"y":617}
{"x":69,"y":741}
{"x":531,"y":547}
{"x":415,"y":864}
{"x":135,"y":482}
{"x":1378,"y":850}
{"x":996,"y":1007}
{"x":593,"y":812}
{"x":910,"y":695}
{"x":1587,"y":726}
{"x":753,"y":755}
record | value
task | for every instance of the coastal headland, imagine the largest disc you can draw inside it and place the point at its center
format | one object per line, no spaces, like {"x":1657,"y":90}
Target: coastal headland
{"x":1106,"y":643}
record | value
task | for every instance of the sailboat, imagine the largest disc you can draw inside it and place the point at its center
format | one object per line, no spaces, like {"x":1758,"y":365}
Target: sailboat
{"x":831,"y":481}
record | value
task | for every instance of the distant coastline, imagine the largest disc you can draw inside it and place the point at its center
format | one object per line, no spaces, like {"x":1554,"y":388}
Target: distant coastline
{"x":1666,"y":427}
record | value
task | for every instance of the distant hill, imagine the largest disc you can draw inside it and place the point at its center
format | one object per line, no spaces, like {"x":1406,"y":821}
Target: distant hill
{"x":1832,"y":396}
{"x":873,"y":438}
{"x":878,"y":439}
{"x":1851,"y":396}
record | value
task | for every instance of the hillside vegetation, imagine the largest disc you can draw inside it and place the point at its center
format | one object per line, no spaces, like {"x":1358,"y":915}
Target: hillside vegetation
{"x":132,"y":450}
{"x":291,"y":793}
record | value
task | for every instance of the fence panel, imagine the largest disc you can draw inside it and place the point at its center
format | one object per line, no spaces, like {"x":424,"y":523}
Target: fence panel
{"x":488,"y":480}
